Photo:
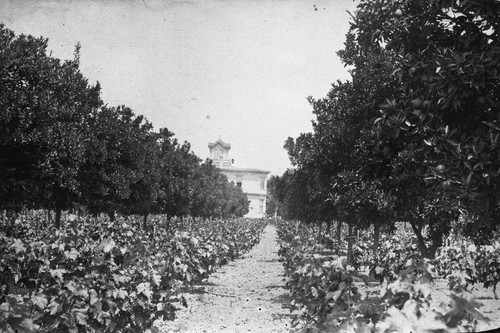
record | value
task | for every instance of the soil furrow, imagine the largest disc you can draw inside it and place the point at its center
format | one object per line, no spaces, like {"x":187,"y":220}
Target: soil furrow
{"x":246,"y":295}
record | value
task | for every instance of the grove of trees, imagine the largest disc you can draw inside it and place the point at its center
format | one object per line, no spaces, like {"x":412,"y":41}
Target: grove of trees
{"x":414,"y":136}
{"x":62,"y":147}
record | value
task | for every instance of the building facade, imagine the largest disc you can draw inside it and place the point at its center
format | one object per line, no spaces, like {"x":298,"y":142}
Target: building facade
{"x":253,"y":182}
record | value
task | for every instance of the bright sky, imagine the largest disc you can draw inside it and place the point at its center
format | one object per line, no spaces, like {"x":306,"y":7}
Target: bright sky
{"x":239,"y":70}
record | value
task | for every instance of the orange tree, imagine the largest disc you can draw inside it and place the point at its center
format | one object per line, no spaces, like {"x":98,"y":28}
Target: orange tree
{"x":212,"y":195}
{"x":45,"y":106}
{"x":145,"y":188}
{"x":111,"y":165}
{"x":178,"y":166}
{"x":418,"y":124}
{"x":446,"y":117}
{"x":61,"y":148}
{"x":345,"y":178}
{"x":304,"y":196}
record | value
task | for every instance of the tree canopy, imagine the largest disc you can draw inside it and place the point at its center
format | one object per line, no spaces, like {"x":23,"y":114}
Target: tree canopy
{"x":413,"y":136}
{"x":61,"y":147}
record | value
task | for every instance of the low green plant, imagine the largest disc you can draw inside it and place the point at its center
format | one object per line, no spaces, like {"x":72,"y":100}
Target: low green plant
{"x":95,"y":275}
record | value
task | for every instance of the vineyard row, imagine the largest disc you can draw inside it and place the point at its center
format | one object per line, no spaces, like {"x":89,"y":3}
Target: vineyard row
{"x":94,"y":275}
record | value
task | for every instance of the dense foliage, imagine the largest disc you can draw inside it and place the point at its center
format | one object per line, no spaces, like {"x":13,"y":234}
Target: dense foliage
{"x":334,"y":296}
{"x":463,"y":263}
{"x":96,"y":275}
{"x":414,"y":135}
{"x":62,"y":148}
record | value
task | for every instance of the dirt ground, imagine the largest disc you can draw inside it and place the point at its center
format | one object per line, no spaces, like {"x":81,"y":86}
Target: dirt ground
{"x":248,"y":295}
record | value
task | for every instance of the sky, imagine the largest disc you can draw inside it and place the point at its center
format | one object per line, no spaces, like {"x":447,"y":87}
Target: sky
{"x":236,"y":70}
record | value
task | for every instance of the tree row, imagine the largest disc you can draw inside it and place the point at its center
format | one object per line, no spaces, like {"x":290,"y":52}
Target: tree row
{"x":62,"y":148}
{"x":414,"y":136}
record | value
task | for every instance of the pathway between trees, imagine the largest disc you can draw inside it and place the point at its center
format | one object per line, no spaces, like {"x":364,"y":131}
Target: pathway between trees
{"x":246,"y":295}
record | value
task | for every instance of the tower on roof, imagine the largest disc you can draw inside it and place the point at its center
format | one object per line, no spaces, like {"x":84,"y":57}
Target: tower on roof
{"x":219,"y":153}
{"x":253,"y":182}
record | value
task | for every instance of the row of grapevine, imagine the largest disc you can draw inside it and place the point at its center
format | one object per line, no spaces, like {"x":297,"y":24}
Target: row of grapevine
{"x":331,"y":295}
{"x":94,"y":275}
{"x":463,"y":263}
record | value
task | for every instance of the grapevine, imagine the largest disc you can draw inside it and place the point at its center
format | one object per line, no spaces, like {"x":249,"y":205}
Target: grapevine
{"x":96,"y":275}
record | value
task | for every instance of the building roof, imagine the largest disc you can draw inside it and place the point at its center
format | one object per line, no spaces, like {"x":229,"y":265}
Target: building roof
{"x":222,"y":143}
{"x":236,"y":169}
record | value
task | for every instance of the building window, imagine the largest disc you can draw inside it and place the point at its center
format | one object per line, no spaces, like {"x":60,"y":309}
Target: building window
{"x":261,"y":205}
{"x":238,"y":184}
{"x":239,"y":181}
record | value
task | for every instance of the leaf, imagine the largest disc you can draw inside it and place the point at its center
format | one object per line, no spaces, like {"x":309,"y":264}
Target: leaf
{"x":58,"y":273}
{"x":469,"y":178}
{"x":314,"y":292}
{"x":120,"y":278}
{"x":40,"y":301}
{"x":73,"y":254}
{"x":81,"y":316}
{"x":27,"y":325}
{"x":18,"y":246}
{"x":120,"y":293}
{"x":76,"y":289}
{"x":94,"y":297}
{"x":469,"y":306}
{"x":370,"y":280}
{"x":54,"y":307}
{"x":145,"y":289}
{"x":156,"y":279}
{"x":71,"y":285}
{"x":336,"y":294}
{"x":106,"y":245}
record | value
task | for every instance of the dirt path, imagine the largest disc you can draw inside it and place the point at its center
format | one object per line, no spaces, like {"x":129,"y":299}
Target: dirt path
{"x":246,"y":295}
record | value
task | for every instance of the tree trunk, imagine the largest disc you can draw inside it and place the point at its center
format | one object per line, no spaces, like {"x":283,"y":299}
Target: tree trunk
{"x":339,"y":235}
{"x":350,"y":239}
{"x":112,"y":216}
{"x":58,"y":218}
{"x":144,"y":221}
{"x":328,"y":227}
{"x":168,"y":222}
{"x":376,"y":237}
{"x":431,"y":251}
{"x":420,"y":239}
{"x":13,"y":218}
{"x":49,"y":216}
{"x":320,"y":234}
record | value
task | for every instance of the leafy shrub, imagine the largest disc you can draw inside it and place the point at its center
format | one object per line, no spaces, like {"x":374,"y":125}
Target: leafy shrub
{"x":100,"y":276}
{"x":328,"y":292}
{"x":394,"y":252}
{"x":464,"y":263}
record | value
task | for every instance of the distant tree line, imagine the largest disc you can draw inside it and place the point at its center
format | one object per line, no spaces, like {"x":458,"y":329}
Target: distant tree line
{"x":61,"y":147}
{"x":414,"y":136}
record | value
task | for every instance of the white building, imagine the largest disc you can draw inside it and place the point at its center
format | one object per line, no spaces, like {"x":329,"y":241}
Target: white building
{"x":253,"y":182}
